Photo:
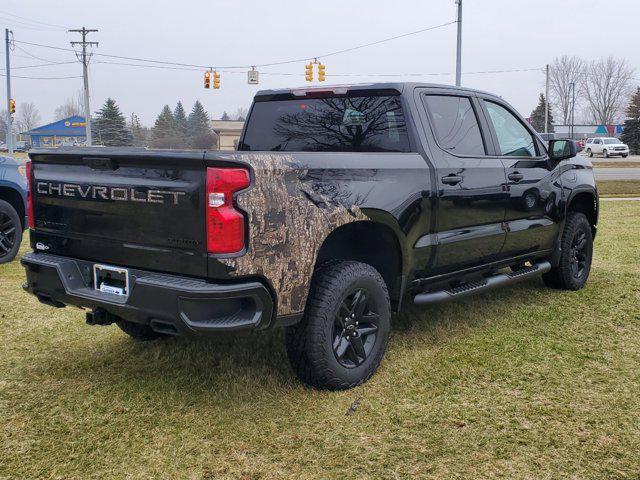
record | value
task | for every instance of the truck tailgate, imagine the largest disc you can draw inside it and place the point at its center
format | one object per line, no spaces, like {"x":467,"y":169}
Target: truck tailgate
{"x":134,"y":208}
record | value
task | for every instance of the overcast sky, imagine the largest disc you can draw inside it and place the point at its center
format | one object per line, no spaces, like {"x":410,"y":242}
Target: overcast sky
{"x":497,"y":35}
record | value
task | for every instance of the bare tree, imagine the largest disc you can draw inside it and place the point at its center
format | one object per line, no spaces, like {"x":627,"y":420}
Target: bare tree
{"x":28,"y":117}
{"x":606,"y":87}
{"x":241,"y":114}
{"x":73,"y":106}
{"x":563,"y":72}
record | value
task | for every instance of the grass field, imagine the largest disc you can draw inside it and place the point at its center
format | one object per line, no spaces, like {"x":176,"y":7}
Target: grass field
{"x":525,"y":382}
{"x":619,"y":188}
{"x":617,"y":164}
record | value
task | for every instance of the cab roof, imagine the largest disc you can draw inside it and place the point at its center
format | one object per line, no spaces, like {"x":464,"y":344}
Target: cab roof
{"x":390,"y":87}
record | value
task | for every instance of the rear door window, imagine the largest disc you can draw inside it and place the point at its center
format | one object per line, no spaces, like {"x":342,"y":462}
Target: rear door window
{"x":334,"y":124}
{"x":455,"y":124}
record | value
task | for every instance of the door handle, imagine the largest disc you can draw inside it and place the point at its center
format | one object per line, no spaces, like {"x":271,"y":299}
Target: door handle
{"x":451,"y":179}
{"x":515,"y":176}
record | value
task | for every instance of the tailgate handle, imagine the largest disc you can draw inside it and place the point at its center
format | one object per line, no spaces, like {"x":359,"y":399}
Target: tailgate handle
{"x":101,"y":163}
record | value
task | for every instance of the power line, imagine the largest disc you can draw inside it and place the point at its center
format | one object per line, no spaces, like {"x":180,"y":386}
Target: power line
{"x":43,"y":65}
{"x":27,"y":26}
{"x":40,"y":78}
{"x":33,"y":21}
{"x":363,"y":45}
{"x":32,"y":55}
{"x":190,"y":69}
{"x":270,"y":64}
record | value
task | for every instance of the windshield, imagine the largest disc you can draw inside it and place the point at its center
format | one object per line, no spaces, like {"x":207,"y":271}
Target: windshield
{"x":611,"y":141}
{"x":335,"y":124}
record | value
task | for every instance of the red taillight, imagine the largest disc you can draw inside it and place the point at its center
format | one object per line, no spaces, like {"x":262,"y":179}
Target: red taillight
{"x":32,"y":222}
{"x":225,"y":224}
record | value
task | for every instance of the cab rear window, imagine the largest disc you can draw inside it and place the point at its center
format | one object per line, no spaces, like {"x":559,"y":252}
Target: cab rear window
{"x":334,"y":124}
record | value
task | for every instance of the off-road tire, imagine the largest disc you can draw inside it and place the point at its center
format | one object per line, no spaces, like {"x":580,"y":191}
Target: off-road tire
{"x":562,"y":277}
{"x":9,"y":216}
{"x":138,"y":331}
{"x":310,"y":344}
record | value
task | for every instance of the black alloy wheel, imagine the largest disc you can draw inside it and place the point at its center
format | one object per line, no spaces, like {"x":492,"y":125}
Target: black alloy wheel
{"x":343,"y":334}
{"x":578,"y":255}
{"x":8,"y":231}
{"x":355,"y":329}
{"x":576,"y":252}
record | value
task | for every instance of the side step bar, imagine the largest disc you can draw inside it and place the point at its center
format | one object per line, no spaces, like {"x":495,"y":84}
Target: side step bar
{"x":488,"y":283}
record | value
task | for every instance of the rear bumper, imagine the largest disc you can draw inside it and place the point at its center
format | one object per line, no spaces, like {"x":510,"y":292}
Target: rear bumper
{"x":168,"y":303}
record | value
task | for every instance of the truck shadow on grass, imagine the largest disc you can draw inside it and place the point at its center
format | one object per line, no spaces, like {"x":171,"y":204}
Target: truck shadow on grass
{"x":242,"y":363}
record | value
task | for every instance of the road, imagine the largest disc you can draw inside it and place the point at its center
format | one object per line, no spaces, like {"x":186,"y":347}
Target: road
{"x":607,"y":173}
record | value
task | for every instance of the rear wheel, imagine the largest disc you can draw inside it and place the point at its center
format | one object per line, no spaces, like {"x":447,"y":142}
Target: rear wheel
{"x":10,"y":232}
{"x":138,"y":331}
{"x":573,"y":269}
{"x":343,"y":335}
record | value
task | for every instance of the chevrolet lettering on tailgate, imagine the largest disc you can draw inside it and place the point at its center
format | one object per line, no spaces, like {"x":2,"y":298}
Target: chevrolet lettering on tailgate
{"x":102,"y":192}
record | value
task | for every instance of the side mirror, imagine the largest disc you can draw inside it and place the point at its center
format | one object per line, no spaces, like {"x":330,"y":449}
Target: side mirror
{"x":562,"y":149}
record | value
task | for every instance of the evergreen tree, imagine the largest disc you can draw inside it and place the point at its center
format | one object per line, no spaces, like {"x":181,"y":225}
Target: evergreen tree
{"x":537,"y":117}
{"x":198,"y":121}
{"x":180,"y":119}
{"x":200,"y":133}
{"x":138,"y":132}
{"x":631,"y":133}
{"x":163,"y":134}
{"x":225,"y":116}
{"x":110,"y":127}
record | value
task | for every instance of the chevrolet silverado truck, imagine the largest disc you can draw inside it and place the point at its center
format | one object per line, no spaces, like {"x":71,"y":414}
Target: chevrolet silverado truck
{"x":341,"y":205}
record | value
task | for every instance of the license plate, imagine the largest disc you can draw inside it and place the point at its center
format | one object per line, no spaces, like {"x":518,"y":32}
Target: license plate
{"x":113,"y":280}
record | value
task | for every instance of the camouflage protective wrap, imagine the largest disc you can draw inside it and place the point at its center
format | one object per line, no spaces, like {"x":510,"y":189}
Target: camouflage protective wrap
{"x":290,"y":214}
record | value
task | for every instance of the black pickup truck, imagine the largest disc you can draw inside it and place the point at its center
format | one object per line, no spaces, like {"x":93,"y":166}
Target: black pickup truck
{"x":340,"y":205}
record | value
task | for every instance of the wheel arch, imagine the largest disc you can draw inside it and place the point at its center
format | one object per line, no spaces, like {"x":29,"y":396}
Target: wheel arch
{"x":585,"y":201}
{"x":369,"y":242}
{"x":15,"y":199}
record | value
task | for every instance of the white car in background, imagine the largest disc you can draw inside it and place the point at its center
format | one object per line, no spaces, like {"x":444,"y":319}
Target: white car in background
{"x":606,"y":146}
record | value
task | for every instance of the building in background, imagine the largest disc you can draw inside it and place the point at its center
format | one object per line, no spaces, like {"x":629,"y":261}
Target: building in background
{"x":66,"y":132}
{"x":587,"y":131}
{"x":228,"y":132}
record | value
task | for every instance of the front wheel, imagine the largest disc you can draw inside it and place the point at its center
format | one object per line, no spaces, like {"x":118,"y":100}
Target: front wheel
{"x":625,"y":155}
{"x":573,"y":269}
{"x":589,"y":152}
{"x":605,"y":153}
{"x":343,"y":335}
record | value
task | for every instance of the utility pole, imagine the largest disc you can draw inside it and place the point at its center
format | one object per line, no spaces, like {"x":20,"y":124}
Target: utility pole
{"x":9,"y":116}
{"x":85,"y":74}
{"x":573,"y":106}
{"x":546,"y":103}
{"x":459,"y":46}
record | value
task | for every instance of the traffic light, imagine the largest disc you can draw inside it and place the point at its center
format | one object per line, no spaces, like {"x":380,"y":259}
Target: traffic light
{"x":320,"y":72}
{"x":216,"y":79}
{"x":12,"y":106}
{"x":308,"y":72}
{"x":207,"y":79}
